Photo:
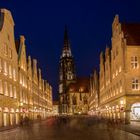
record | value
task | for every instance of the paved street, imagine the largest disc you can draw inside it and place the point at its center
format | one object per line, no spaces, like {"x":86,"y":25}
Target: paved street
{"x":68,"y":129}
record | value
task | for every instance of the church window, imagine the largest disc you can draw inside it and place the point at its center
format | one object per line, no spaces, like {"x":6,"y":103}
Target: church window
{"x":74,"y":101}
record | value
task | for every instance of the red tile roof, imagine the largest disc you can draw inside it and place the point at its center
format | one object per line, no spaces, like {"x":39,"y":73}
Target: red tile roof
{"x":81,"y":85}
{"x":131,"y":33}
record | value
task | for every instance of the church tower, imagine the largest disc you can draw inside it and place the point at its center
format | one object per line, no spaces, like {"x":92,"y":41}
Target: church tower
{"x":66,"y":73}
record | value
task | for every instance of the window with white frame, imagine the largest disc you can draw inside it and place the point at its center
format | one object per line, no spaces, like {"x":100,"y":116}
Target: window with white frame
{"x":135,"y":84}
{"x":134,"y":62}
{"x":1,"y":87}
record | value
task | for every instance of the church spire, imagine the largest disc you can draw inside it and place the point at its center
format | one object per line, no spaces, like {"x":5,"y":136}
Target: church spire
{"x":66,"y":48}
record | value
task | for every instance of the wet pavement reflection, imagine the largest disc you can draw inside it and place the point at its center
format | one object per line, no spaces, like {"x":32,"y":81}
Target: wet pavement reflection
{"x":68,"y":128}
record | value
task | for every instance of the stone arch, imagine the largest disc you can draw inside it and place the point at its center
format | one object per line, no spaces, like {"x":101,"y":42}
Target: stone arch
{"x":135,"y":111}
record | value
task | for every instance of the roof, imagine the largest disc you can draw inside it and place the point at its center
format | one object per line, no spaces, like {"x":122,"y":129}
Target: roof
{"x":81,"y":85}
{"x":131,"y":33}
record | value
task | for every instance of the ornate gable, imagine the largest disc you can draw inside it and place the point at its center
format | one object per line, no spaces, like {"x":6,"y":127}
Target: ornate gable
{"x":22,"y":54}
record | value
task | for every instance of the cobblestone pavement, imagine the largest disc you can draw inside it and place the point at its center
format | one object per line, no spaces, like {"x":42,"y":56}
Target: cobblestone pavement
{"x":62,"y":128}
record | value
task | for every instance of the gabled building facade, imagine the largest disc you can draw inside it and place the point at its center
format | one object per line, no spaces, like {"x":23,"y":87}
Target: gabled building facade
{"x":119,"y":74}
{"x":23,"y":92}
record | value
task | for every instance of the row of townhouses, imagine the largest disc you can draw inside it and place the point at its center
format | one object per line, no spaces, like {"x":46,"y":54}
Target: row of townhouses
{"x":115,"y":92}
{"x":23,"y":92}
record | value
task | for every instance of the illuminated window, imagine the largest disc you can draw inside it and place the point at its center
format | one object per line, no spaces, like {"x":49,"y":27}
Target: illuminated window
{"x":20,"y":78}
{"x":116,"y":72}
{"x":135,"y":84}
{"x":10,"y":53}
{"x":14,"y":74}
{"x":1,"y":88}
{"x":5,"y":68}
{"x":120,"y":69}
{"x":134,"y":62}
{"x":113,"y":76}
{"x":120,"y":86}
{"x":21,"y":96}
{"x":114,"y":91}
{"x":15,"y":92}
{"x":0,"y":65}
{"x":10,"y":71}
{"x":10,"y":90}
{"x":6,"y":88}
{"x":117,"y":88}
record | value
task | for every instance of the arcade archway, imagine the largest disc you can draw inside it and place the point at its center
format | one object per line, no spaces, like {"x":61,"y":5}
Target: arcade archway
{"x":135,"y":112}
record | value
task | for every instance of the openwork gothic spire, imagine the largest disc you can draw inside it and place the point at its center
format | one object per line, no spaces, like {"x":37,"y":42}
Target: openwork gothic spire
{"x":66,"y":48}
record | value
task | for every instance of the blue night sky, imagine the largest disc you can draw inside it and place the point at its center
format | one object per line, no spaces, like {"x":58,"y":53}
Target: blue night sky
{"x":89,"y":24}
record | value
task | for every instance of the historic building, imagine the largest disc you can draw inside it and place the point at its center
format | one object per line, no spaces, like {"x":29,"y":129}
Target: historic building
{"x":78,"y":94}
{"x":94,"y":94}
{"x":55,"y":108}
{"x":23,"y":92}
{"x":9,"y":107}
{"x":119,"y":76}
{"x":73,"y":91}
{"x":66,"y":73}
